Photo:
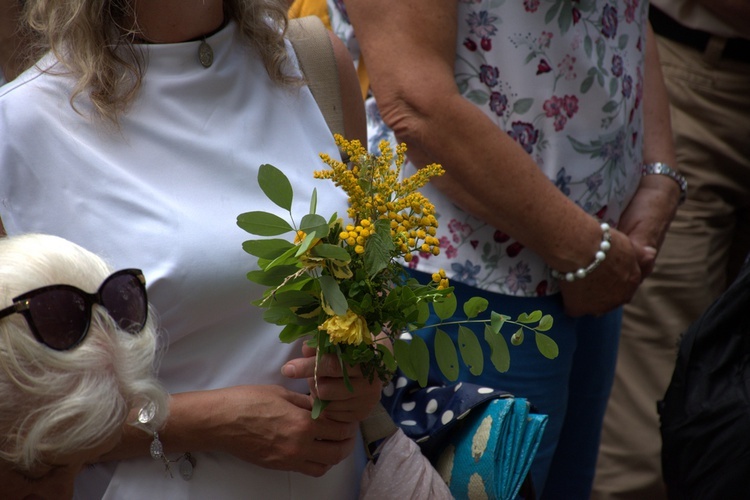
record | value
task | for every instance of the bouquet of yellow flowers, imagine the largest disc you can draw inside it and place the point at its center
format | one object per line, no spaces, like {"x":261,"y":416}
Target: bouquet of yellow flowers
{"x":341,"y":283}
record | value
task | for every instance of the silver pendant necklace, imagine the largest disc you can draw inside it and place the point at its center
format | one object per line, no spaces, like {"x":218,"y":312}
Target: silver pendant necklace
{"x":205,"y":54}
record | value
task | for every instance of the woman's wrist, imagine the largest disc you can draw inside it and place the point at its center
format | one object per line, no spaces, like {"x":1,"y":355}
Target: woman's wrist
{"x":599,"y":255}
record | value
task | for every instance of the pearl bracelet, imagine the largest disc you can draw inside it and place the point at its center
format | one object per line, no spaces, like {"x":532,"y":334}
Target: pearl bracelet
{"x":601,"y":254}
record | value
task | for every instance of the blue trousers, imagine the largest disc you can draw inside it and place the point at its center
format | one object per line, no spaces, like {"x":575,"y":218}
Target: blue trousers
{"x":572,"y":389}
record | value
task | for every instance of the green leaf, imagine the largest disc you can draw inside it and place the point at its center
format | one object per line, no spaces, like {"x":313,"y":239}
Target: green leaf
{"x":314,"y":201}
{"x":517,"y":338}
{"x":445,"y":308}
{"x":332,"y":295}
{"x":586,"y":84}
{"x":275,"y":185}
{"x":446,"y":355}
{"x":474,"y":306}
{"x":267,"y":249}
{"x":420,"y":358}
{"x":529,"y":318}
{"x":423,"y":309}
{"x":402,"y":353}
{"x":545,"y":323}
{"x":471,"y":350}
{"x":547,"y":346}
{"x":318,"y":407}
{"x":389,"y":361}
{"x":292,"y":298}
{"x":378,"y":248}
{"x":263,"y":224}
{"x":305,"y":243}
{"x":280,"y":316}
{"x":272,"y":277}
{"x":314,"y":223}
{"x":328,"y":251}
{"x":499,"y":353}
{"x":497,"y":321}
{"x":292,"y":332}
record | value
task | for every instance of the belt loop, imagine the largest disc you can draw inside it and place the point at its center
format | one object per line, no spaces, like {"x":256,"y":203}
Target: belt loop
{"x":714,"y":49}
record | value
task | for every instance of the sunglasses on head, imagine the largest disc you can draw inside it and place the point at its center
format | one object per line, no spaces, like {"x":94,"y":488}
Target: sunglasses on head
{"x":59,"y":316}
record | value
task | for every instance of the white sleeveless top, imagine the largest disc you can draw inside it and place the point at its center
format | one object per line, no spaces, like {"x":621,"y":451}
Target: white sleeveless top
{"x":163,"y":194}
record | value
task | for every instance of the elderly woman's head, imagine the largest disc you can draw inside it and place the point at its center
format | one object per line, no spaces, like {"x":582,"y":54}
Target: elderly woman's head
{"x":77,"y":351}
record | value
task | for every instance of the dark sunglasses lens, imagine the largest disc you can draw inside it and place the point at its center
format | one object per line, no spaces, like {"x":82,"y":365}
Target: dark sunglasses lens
{"x":125,"y":300}
{"x":60,"y":318}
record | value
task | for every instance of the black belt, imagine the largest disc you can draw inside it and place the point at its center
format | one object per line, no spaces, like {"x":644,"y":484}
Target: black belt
{"x":736,"y":49}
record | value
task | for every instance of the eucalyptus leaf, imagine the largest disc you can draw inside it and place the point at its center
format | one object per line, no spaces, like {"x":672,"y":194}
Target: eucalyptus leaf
{"x":446,"y":308}
{"x":267,"y":249}
{"x":547,"y":346}
{"x":420,"y":358}
{"x":471,"y":350}
{"x":332,"y":295}
{"x":275,"y":185}
{"x":475,"y":306}
{"x":499,"y":353}
{"x":263,"y":223}
{"x":446,"y":355}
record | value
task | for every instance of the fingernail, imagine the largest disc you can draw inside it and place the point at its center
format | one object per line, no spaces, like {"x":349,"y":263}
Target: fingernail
{"x":288,"y":370}
{"x":651,"y":251}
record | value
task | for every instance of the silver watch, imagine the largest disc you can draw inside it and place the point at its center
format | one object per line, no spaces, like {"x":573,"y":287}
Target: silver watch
{"x":659,"y":168}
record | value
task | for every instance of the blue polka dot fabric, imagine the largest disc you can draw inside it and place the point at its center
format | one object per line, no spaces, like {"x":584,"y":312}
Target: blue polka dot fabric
{"x":481,"y":440}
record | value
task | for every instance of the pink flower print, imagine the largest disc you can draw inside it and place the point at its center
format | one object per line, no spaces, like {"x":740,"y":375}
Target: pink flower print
{"x":519,"y":277}
{"x":482,"y":24}
{"x":498,"y":103}
{"x":447,"y":248}
{"x":543,"y":67}
{"x":470,"y":44}
{"x":567,"y":67}
{"x":617,"y":67}
{"x":638,"y":87}
{"x":630,"y":6}
{"x":544,"y":40}
{"x":486,"y":44}
{"x":627,"y":86}
{"x":488,"y":75}
{"x":459,"y":230}
{"x":500,"y":237}
{"x":413,"y":262}
{"x":531,"y":5}
{"x":524,"y":134}
{"x":609,"y":21}
{"x":576,"y":15}
{"x":560,"y":122}
{"x":570,"y":105}
{"x":552,"y":106}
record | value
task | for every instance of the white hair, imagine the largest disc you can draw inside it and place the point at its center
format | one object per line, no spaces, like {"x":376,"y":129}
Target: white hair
{"x":61,"y":402}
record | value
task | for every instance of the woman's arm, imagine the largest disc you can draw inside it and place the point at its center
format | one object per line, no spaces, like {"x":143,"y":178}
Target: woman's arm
{"x":649,"y":213}
{"x":266,"y":425}
{"x":410,"y":52}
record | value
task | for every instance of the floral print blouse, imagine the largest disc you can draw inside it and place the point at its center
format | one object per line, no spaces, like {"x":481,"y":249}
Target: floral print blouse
{"x":564,"y":79}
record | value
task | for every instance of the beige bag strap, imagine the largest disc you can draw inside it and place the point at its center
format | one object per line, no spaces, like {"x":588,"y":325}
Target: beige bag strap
{"x":314,"y":51}
{"x":309,"y":37}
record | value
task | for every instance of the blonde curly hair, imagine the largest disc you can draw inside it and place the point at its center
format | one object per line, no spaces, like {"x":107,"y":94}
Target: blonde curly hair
{"x":92,"y":41}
